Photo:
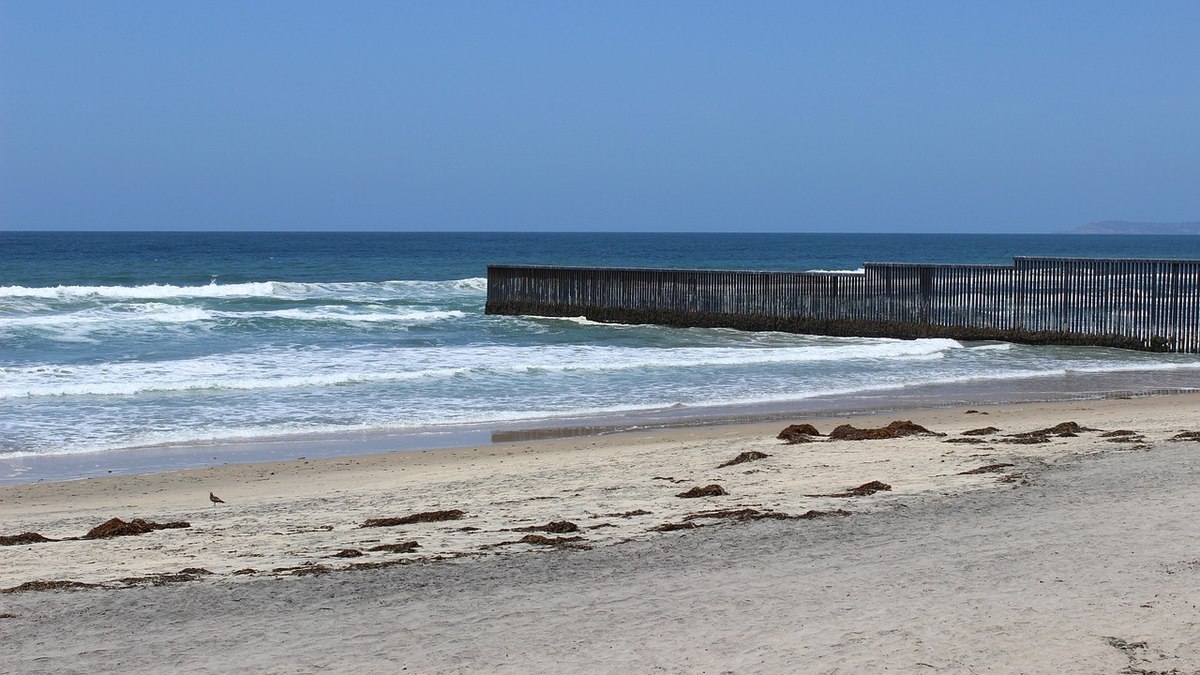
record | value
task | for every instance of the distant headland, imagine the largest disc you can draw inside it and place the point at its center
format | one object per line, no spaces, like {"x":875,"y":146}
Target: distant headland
{"x":1131,"y":227}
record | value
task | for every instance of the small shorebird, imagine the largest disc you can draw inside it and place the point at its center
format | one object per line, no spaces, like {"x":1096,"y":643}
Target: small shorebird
{"x":215,"y":499}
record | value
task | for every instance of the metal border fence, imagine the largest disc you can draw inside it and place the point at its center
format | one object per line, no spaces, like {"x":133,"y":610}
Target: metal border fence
{"x":1136,"y":304}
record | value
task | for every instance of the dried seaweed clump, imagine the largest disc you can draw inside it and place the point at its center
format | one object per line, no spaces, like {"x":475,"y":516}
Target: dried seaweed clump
{"x":814,"y":514}
{"x":897,"y":429}
{"x":713,"y":490}
{"x":1119,"y":433}
{"x":1124,"y":436}
{"x":982,"y":431}
{"x":1022,"y":439}
{"x":556,"y":527}
{"x":307,"y":569}
{"x":378,"y":564}
{"x":749,"y":456}
{"x":1067,"y":429}
{"x":1062,"y":430}
{"x":990,"y":468}
{"x":1186,"y":436}
{"x":426,"y":517}
{"x":403,"y":547}
{"x":866,"y":489}
{"x":119,"y":528}
{"x":23,"y":538}
{"x":625,"y":514}
{"x":158,"y":579}
{"x":743,"y":515}
{"x":861,"y":491}
{"x":672,"y":527}
{"x":542,"y":540}
{"x":64,"y":585}
{"x":798,"y":433}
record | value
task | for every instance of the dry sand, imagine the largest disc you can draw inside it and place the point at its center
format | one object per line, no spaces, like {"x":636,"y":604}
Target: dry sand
{"x":1083,"y":556}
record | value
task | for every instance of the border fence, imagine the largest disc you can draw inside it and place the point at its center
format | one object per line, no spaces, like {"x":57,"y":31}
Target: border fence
{"x":1134,"y":304}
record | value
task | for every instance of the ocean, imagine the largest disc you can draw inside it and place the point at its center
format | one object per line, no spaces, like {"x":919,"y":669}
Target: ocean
{"x":198,"y":346}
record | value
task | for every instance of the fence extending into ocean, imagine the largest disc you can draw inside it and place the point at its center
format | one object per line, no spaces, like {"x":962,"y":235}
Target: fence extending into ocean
{"x":1134,"y":304}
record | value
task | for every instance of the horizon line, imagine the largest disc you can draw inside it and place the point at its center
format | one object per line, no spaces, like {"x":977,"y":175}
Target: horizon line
{"x":648,"y":232}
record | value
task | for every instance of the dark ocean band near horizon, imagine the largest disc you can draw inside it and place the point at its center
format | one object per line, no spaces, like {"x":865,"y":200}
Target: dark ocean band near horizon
{"x":186,"y":258}
{"x":131,"y":352}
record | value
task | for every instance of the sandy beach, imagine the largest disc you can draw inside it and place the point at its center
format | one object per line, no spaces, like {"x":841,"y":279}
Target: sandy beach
{"x":1001,"y":542}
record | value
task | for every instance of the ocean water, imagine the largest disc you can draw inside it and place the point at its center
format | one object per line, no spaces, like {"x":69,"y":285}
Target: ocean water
{"x":114,"y":341}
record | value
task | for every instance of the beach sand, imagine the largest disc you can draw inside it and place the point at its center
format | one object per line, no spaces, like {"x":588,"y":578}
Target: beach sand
{"x":1081,"y":556}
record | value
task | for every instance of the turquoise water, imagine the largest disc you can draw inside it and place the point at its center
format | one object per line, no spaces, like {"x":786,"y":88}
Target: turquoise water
{"x":110,"y":341}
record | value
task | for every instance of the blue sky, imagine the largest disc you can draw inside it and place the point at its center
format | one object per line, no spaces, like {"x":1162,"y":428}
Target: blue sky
{"x":696,"y":116}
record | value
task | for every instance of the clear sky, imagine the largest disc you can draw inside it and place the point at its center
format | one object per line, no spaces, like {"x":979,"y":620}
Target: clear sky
{"x":830,"y":116}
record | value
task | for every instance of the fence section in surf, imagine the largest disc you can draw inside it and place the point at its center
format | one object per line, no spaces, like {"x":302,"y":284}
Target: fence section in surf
{"x":1136,"y":304}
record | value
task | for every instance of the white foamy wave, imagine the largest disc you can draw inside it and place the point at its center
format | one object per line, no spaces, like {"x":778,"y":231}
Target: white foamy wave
{"x":1132,"y":367}
{"x":285,"y":368}
{"x":153,"y":312}
{"x":180,"y":315}
{"x":580,"y":320}
{"x":152,"y":291}
{"x":191,"y":437}
{"x":342,"y":315}
{"x":272,"y":289}
{"x":497,"y":360}
{"x":873,"y":386}
{"x":602,"y":358}
{"x":170,"y":384}
{"x":99,"y":319}
{"x":472,"y":284}
{"x":300,"y":369}
{"x":53,"y":320}
{"x":382,"y":290}
{"x":860,"y":270}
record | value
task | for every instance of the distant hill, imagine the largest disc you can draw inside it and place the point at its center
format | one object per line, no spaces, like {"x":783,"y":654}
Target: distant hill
{"x":1130,"y":227}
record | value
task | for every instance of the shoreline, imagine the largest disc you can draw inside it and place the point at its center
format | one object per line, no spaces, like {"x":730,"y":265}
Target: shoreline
{"x":574,"y":478}
{"x":158,"y":459}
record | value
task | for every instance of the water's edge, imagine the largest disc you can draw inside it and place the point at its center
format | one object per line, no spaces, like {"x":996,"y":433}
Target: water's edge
{"x":912,"y":399}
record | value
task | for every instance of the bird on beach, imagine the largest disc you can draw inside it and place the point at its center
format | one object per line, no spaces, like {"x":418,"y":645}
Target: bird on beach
{"x":215,"y":499}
